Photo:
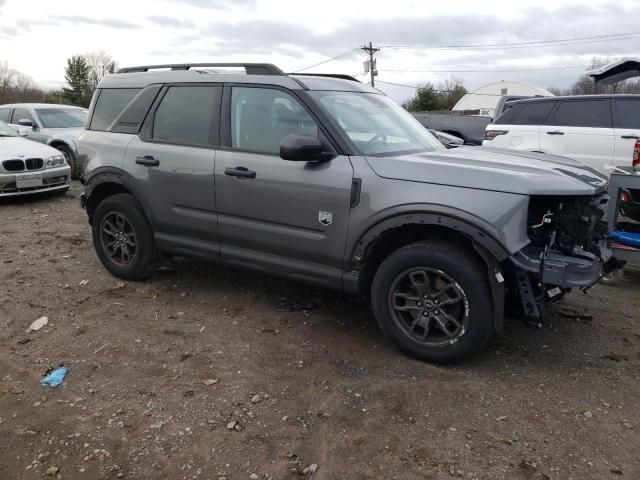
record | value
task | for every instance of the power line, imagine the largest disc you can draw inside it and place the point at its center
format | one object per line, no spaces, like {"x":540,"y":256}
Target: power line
{"x":402,"y":85}
{"x":417,"y":87}
{"x":539,"y":43}
{"x":486,"y":71}
{"x":337,"y":57}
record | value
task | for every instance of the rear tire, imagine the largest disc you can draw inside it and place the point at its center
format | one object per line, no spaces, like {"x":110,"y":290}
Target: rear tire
{"x":123,"y":237}
{"x":433,"y":301}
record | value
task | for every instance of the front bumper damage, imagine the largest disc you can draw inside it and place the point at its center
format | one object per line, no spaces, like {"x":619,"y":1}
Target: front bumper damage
{"x":568,"y":250}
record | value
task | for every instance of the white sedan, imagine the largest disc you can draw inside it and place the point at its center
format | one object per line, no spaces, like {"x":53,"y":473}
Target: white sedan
{"x":28,"y":167}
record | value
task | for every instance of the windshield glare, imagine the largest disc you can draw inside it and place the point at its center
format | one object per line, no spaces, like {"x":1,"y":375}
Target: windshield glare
{"x":376,"y":124}
{"x":7,"y":131}
{"x":62,"y":117}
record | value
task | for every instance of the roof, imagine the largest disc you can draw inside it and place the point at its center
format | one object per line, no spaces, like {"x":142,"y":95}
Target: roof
{"x":576,"y":97}
{"x":41,"y":105}
{"x":488,"y":96}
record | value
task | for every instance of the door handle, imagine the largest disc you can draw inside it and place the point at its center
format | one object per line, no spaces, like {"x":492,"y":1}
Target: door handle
{"x":147,"y":161}
{"x":240,"y":172}
{"x":555,"y":132}
{"x":631,"y":137}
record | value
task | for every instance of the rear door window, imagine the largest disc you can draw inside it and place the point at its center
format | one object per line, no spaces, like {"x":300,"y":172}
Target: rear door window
{"x":627,"y":113}
{"x":111,"y":102}
{"x":21,"y":114}
{"x":188,"y":115}
{"x":583,"y":113}
{"x":4,"y":114}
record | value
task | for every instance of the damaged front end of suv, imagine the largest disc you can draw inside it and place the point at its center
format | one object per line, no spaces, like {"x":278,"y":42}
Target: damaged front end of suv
{"x":567,"y":249}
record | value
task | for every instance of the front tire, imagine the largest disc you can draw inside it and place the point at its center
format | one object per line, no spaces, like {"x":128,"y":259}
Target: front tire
{"x":433,"y":301}
{"x":123,"y":237}
{"x":71,"y":160}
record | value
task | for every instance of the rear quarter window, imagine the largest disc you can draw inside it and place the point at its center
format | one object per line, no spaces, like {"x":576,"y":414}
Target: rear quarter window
{"x":534,"y":113}
{"x":111,"y":102}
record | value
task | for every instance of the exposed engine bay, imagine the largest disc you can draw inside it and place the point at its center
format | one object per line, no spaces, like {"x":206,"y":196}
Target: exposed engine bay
{"x":568,"y":249}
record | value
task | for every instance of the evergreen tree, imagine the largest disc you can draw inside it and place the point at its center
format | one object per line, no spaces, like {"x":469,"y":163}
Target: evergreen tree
{"x":77,"y":76}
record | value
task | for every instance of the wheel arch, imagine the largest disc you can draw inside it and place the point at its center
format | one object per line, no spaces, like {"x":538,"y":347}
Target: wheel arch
{"x":392,"y":233}
{"x":106,"y":182}
{"x":56,"y":142}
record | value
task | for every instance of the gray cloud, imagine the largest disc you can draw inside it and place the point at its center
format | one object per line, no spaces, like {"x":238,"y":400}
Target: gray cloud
{"x":105,"y":22}
{"x":170,"y":21}
{"x":272,"y":37}
{"x":218,"y":4}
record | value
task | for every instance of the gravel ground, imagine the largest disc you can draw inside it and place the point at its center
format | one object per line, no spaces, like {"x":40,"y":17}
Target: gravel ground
{"x":197,"y":373}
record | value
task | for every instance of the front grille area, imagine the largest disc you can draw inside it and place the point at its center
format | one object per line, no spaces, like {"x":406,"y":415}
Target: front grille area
{"x":13,"y":165}
{"x":34,"y":163}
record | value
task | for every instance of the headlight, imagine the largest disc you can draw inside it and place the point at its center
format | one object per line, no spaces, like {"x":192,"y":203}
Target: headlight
{"x":56,"y":161}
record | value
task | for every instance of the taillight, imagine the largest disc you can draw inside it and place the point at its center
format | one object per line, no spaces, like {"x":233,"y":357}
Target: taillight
{"x":624,"y":197}
{"x":636,"y":154}
{"x":491,"y":134}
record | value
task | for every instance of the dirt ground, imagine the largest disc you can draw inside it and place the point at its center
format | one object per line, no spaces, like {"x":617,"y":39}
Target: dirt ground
{"x":297,"y":394}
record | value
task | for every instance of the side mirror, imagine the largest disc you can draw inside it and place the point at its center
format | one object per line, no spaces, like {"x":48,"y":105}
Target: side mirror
{"x":303,"y":148}
{"x":25,"y":122}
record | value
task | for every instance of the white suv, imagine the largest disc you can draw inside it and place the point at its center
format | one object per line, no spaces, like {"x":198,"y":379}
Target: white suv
{"x":599,"y":130}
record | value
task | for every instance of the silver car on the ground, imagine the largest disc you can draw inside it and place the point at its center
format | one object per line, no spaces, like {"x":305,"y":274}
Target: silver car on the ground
{"x":58,"y":126}
{"x":27,"y":167}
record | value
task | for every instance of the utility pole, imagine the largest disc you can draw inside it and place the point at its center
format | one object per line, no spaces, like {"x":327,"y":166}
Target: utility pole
{"x":373,"y":70}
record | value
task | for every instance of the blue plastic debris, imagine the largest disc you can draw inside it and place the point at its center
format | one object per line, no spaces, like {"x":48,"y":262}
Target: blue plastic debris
{"x":55,"y":378}
{"x":627,"y":238}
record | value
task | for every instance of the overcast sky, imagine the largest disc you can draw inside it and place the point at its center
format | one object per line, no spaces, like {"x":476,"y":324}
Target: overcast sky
{"x":36,"y":36}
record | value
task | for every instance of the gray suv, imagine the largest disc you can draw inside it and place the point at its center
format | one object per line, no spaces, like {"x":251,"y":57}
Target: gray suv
{"x":322,"y":179}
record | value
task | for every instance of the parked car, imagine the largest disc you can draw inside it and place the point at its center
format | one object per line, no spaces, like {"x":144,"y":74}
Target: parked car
{"x":469,"y":128}
{"x":27,"y":167}
{"x":328,"y":181}
{"x":449,"y":141}
{"x":55,"y":125}
{"x":598,"y":130}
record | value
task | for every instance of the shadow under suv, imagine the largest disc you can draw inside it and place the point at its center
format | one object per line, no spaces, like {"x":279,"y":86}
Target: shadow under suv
{"x":322,"y":179}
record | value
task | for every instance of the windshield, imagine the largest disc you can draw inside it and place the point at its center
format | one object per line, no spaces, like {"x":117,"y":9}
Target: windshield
{"x":62,"y":117}
{"x":7,"y":131}
{"x":377,"y":125}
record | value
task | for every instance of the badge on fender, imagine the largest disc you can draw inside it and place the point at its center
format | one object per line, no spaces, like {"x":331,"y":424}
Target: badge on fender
{"x":325,"y":218}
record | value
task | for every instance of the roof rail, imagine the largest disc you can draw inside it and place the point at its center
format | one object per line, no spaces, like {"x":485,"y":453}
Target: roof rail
{"x":329,"y":75}
{"x":250,"y":68}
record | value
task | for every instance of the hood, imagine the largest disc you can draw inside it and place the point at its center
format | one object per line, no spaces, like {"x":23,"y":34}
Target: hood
{"x":509,"y":171}
{"x":18,"y":147}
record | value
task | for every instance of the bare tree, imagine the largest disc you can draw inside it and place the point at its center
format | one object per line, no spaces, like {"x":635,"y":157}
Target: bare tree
{"x":17,"y":87}
{"x":100,"y":64}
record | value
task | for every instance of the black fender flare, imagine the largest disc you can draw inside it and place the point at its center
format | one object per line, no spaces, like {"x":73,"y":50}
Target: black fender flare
{"x":114,"y":175}
{"x":478,"y":234}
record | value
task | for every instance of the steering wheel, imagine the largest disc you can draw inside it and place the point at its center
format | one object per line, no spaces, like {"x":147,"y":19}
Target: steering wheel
{"x":377,"y":136}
